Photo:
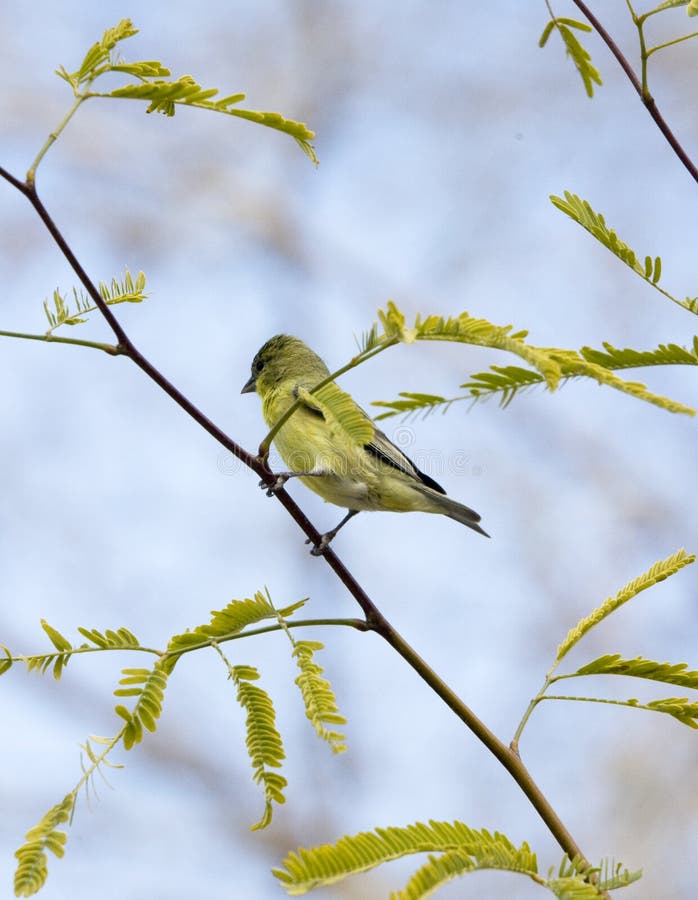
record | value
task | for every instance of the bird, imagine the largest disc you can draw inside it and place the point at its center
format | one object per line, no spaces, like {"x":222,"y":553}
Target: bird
{"x":368,"y":473}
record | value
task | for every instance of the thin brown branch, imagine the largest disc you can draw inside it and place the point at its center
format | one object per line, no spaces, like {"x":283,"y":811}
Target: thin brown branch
{"x":645,"y":96}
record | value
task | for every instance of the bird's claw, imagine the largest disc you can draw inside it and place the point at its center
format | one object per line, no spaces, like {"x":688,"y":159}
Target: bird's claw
{"x":275,"y":486}
{"x":320,"y":548}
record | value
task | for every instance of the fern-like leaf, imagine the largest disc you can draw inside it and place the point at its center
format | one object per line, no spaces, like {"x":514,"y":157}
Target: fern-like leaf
{"x":121,"y":639}
{"x":664,"y":355}
{"x":614,"y":664}
{"x":649,"y":268}
{"x":164,"y":97}
{"x":680,"y":708}
{"x":570,"y":882}
{"x":97,"y":58}
{"x":148,"y":685}
{"x":32,"y":862}
{"x":412,"y":402}
{"x":42,"y":662}
{"x":369,"y":339}
{"x":579,"y":55}
{"x":658,"y":572}
{"x":574,"y":365}
{"x":226,"y":622}
{"x":573,"y":887}
{"x":318,"y":696}
{"x":439,"y":870}
{"x":128,"y":290}
{"x":312,"y":867}
{"x":506,"y":382}
{"x":467,"y":329}
{"x":263,"y":741}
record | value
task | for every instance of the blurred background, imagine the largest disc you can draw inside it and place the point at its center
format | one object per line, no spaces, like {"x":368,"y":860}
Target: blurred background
{"x":441,"y":131}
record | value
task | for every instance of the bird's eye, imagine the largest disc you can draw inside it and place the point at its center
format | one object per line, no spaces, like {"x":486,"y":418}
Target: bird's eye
{"x":259,"y":365}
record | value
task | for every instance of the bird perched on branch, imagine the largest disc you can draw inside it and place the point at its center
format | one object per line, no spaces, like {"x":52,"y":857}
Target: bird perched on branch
{"x":332,"y":445}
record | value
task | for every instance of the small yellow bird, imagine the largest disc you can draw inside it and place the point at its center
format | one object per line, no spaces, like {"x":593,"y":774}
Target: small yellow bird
{"x":355,"y":466}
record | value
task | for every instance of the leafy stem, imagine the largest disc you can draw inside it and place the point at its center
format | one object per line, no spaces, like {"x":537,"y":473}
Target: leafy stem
{"x":358,"y":624}
{"x":514,"y":745}
{"x":53,"y":137}
{"x":111,"y":349}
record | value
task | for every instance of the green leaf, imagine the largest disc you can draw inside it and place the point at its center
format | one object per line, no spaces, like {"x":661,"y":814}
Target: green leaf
{"x":96,"y":59}
{"x":56,"y":638}
{"x":571,"y":883}
{"x":411,"y":402}
{"x":439,"y":870}
{"x":318,"y":696}
{"x":149,"y":686}
{"x":128,"y":290}
{"x":670,"y":4}
{"x":230,"y":620}
{"x":467,"y":329}
{"x":574,"y":365}
{"x":164,"y":97}
{"x":664,"y":355}
{"x":680,"y":708}
{"x":668,"y":673}
{"x":506,"y":382}
{"x":6,"y":663}
{"x":581,"y":212}
{"x":263,"y":741}
{"x":571,"y":23}
{"x":327,"y":864}
{"x":580,"y":56}
{"x":32,"y":862}
{"x":164,"y":94}
{"x":613,"y":876}
{"x":122,"y":639}
{"x":573,"y":887}
{"x":656,"y":573}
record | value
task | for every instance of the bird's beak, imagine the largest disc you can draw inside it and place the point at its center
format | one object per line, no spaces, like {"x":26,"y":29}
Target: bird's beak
{"x":250,"y":385}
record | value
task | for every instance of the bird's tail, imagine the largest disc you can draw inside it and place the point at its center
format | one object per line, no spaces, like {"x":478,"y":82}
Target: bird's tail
{"x":464,"y":515}
{"x":455,"y":510}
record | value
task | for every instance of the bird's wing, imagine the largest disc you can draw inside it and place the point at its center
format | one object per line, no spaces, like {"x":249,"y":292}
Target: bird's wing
{"x":382,"y":447}
{"x":379,"y":444}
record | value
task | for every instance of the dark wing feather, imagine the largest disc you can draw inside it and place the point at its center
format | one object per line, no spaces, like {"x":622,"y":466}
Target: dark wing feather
{"x":384,"y":449}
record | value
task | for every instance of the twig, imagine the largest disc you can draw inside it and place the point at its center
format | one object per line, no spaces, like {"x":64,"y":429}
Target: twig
{"x":644,"y":95}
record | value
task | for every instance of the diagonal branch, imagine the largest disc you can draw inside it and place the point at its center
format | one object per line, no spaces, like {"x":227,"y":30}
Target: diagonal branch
{"x":375,"y":620}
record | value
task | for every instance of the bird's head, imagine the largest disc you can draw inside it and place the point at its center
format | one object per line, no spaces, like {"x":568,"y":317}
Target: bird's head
{"x":284,"y":358}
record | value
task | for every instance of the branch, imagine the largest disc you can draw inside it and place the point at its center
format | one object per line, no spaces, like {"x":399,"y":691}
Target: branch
{"x":645,"y":96}
{"x":375,"y":620}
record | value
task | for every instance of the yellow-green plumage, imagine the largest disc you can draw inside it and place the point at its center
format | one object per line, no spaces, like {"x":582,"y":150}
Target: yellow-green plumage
{"x":356,"y":465}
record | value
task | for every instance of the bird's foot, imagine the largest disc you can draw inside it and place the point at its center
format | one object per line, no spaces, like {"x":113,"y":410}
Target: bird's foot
{"x":276,"y":485}
{"x":325,"y":541}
